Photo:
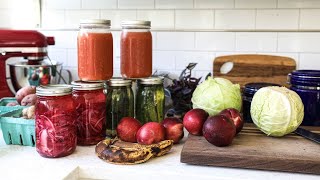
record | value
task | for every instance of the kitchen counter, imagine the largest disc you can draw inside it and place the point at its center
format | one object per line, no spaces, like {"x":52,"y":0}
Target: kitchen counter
{"x":23,"y":162}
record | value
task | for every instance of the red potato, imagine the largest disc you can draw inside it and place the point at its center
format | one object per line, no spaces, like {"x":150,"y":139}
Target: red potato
{"x":12,"y":104}
{"x":151,"y":133}
{"x":23,"y":92}
{"x":29,"y":100}
{"x":128,"y":128}
{"x":174,"y":129}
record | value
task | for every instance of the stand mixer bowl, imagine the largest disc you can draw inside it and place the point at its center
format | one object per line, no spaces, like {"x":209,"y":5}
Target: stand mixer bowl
{"x":46,"y":72}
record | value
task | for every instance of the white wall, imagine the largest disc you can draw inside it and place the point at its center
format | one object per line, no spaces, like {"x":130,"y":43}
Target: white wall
{"x":193,"y":30}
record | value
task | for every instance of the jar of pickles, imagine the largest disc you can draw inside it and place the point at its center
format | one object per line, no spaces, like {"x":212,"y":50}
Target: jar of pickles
{"x":150,"y":100}
{"x":56,"y":134}
{"x":91,"y":112}
{"x":119,"y":103}
{"x":136,"y":49}
{"x":95,"y":50}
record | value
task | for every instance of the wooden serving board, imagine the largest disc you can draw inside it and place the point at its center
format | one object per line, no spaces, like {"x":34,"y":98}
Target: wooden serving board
{"x":255,"y":68}
{"x":252,"y":149}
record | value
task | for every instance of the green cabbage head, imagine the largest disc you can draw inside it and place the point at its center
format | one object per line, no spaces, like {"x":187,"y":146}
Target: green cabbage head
{"x":276,"y":111}
{"x":217,"y":94}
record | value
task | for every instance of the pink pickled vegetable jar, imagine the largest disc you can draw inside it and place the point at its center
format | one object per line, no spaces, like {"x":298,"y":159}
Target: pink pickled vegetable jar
{"x":90,"y":104}
{"x":55,"y":121}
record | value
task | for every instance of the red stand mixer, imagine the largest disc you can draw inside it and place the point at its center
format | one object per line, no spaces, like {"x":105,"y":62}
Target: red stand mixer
{"x":27,"y":44}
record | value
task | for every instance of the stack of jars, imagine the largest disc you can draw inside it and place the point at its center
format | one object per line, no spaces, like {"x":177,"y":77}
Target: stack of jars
{"x":86,"y":111}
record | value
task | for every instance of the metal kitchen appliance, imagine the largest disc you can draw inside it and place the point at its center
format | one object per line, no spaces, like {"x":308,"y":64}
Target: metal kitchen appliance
{"x":26,"y":49}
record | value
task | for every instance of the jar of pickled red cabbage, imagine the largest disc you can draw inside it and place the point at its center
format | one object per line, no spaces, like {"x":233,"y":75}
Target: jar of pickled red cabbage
{"x":95,"y":50}
{"x":119,"y":103}
{"x":91,"y":111}
{"x":56,"y":134}
{"x":136,"y":49}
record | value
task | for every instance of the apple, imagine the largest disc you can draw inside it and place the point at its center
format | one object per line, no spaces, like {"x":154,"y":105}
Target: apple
{"x":219,"y":130}
{"x":235,"y":116}
{"x":174,"y":129}
{"x":151,"y":133}
{"x":128,"y":128}
{"x":193,"y":121}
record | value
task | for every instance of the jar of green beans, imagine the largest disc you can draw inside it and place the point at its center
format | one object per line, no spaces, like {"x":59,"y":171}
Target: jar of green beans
{"x":150,"y":100}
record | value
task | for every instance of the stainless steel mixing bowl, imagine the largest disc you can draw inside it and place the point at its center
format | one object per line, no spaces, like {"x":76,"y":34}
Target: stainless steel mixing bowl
{"x":46,"y":72}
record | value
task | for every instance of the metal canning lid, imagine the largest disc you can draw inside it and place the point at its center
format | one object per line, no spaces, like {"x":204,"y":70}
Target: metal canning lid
{"x":87,"y":85}
{"x":54,"y":90}
{"x":151,"y":80}
{"x":119,"y":82}
{"x":95,"y":22}
{"x":136,"y":24}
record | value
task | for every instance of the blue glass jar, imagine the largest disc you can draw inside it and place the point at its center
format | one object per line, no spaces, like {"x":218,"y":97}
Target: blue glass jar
{"x":306,"y":83}
{"x":249,"y":90}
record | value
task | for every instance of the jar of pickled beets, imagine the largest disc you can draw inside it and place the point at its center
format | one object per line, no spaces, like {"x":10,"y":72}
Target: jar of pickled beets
{"x":91,"y":111}
{"x":95,"y":50}
{"x":56,"y":134}
{"x":136,"y":49}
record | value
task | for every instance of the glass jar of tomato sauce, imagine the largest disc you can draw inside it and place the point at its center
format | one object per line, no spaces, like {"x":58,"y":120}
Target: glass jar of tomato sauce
{"x":56,"y":134}
{"x":95,"y":50}
{"x":136,"y":49}
{"x":91,"y":111}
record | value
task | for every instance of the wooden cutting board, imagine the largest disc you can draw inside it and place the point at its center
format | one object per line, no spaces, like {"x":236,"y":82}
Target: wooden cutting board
{"x":252,"y":149}
{"x":255,"y":68}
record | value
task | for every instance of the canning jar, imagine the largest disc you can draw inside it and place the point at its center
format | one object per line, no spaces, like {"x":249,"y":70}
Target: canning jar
{"x":306,"y":83}
{"x":248,"y":92}
{"x":136,"y":49}
{"x":95,"y":50}
{"x":91,"y":111}
{"x":119,"y":103}
{"x":56,"y":134}
{"x":150,"y":100}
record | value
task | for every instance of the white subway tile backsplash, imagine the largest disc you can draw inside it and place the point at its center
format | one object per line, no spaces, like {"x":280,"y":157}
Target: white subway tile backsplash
{"x":99,"y":4}
{"x":255,"y":3}
{"x":5,"y":18}
{"x":160,"y":19}
{"x":63,"y":39}
{"x":235,"y":19}
{"x":277,"y":19}
{"x":62,"y":4}
{"x":298,"y":4}
{"x":164,"y":60}
{"x":72,"y":55}
{"x":7,"y":4}
{"x":294,"y":56}
{"x":53,"y":18}
{"x":174,"y":4}
{"x":194,"y":19}
{"x":175,"y":41}
{"x":116,"y":63}
{"x":135,"y":4}
{"x":117,"y":16}
{"x":116,"y":43}
{"x":259,"y":42}
{"x":299,"y":42}
{"x":74,"y":17}
{"x":214,"y":4}
{"x":310,"y":19}
{"x":59,"y":55}
{"x":202,"y":58}
{"x":309,"y":61}
{"x":215,"y":41}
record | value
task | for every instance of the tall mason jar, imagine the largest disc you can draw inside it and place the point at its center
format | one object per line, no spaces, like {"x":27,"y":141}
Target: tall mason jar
{"x":136,"y":49}
{"x":150,"y":100}
{"x":119,"y":103}
{"x":56,"y":134}
{"x":91,"y":112}
{"x":95,"y":50}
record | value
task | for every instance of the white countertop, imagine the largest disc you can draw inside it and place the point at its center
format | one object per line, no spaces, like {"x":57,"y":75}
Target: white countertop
{"x":23,"y":162}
